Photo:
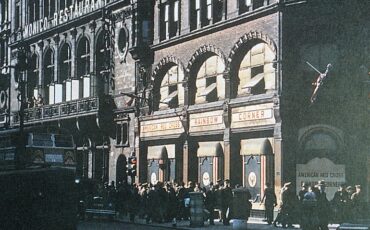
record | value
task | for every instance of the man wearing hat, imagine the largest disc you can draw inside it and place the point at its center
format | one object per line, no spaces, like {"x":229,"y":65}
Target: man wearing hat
{"x":341,"y":203}
{"x":303,"y":191}
{"x":358,"y":200}
{"x":226,"y":200}
{"x":323,"y":207}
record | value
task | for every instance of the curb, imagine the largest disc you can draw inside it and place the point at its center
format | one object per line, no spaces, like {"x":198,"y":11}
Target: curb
{"x":151,"y":225}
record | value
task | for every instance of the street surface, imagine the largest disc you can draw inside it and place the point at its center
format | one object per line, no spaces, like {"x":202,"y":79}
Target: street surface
{"x":112,"y":225}
{"x":123,"y":224}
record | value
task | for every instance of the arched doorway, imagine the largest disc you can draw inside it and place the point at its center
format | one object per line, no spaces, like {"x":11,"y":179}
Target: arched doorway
{"x":121,"y":169}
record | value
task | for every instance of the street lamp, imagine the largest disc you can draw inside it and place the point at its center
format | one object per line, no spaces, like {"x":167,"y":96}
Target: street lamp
{"x":22,"y":67}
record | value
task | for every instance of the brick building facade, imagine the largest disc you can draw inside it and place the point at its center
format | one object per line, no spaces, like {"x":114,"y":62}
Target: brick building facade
{"x":197,"y":90}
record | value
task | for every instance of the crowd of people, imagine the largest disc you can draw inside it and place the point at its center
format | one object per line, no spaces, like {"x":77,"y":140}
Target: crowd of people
{"x":170,"y":202}
{"x":310,"y":207}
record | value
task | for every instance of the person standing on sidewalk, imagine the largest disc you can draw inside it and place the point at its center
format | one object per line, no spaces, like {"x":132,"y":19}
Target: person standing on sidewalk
{"x":226,"y":201}
{"x":323,"y":207}
{"x":210,"y":202}
{"x":269,"y":200}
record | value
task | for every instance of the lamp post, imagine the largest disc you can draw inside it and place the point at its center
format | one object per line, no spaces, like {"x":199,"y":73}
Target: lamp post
{"x":21,"y":68}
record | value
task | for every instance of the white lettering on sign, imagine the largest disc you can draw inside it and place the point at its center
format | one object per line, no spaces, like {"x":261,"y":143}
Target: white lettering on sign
{"x":254,"y":115}
{"x":64,"y":15}
{"x":321,"y":169}
{"x":201,"y":121}
{"x":161,"y":126}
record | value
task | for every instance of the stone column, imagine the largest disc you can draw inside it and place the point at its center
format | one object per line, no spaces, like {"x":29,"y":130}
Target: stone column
{"x":157,"y":22}
{"x":185,"y":161}
{"x":278,"y":149}
{"x":56,"y":57}
{"x":92,"y":26}
{"x":227,"y":146}
{"x":73,"y":54}
{"x":184,"y":16}
{"x":232,"y":9}
{"x":41,"y":85}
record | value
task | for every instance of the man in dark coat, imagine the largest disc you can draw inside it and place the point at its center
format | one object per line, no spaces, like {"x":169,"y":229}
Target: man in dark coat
{"x":269,"y":199}
{"x":341,"y":202}
{"x":358,"y":201}
{"x":323,"y":207}
{"x":226,"y":201}
{"x":210,"y":202}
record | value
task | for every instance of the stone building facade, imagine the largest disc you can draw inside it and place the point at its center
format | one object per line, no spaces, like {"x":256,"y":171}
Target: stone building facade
{"x":77,"y":71}
{"x":230,"y":94}
{"x":197,"y":90}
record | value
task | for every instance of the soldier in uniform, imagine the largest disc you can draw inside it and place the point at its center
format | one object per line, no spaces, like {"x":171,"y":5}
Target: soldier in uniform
{"x":269,"y":199}
{"x":323,"y":207}
{"x":341,"y":203}
{"x":358,"y":199}
{"x":226,"y":200}
{"x":210,"y":202}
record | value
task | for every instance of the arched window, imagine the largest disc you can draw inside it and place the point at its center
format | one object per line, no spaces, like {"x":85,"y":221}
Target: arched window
{"x":34,"y":10}
{"x":210,"y":82}
{"x":102,"y":64}
{"x":83,"y":67}
{"x":33,"y":79}
{"x":65,"y":61}
{"x":171,"y":90}
{"x":256,"y":71}
{"x":48,"y":76}
{"x":3,"y":11}
{"x":2,"y":52}
{"x":49,"y":8}
{"x":83,"y":57}
{"x":64,"y":4}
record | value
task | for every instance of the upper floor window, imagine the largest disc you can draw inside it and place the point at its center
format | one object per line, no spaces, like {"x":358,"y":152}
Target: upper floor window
{"x":83,"y":58}
{"x":122,"y":133}
{"x":210,"y":82}
{"x":49,"y":8}
{"x":32,"y":80}
{"x":33,"y":10}
{"x":248,"y":5}
{"x":65,"y":63}
{"x":3,"y":11}
{"x":64,"y":4}
{"x":205,"y":12}
{"x":256,"y":72}
{"x":17,"y":15}
{"x":2,"y":52}
{"x":48,"y":75}
{"x":171,"y":89}
{"x":169,"y":19}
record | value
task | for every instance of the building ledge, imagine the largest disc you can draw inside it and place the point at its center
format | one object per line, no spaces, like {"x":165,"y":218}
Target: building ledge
{"x":64,"y":110}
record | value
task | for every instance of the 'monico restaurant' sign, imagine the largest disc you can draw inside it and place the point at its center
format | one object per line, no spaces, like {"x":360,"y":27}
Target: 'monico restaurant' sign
{"x":79,"y":8}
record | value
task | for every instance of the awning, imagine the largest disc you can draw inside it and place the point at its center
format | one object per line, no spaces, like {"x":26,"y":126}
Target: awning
{"x":254,"y":81}
{"x":157,"y":152}
{"x":209,"y":89}
{"x":170,"y":97}
{"x":171,"y":151}
{"x":210,"y":149}
{"x":258,"y":146}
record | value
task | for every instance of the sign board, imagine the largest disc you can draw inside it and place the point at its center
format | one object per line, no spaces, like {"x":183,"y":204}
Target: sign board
{"x":54,"y":158}
{"x":207,"y":121}
{"x":161,"y":127}
{"x":71,"y":12}
{"x":254,"y":115}
{"x":321,"y":169}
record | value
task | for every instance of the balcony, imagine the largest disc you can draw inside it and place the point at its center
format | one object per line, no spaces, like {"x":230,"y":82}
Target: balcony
{"x":64,"y":110}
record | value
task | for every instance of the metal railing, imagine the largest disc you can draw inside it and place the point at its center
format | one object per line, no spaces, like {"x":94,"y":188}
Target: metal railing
{"x":67,"y":109}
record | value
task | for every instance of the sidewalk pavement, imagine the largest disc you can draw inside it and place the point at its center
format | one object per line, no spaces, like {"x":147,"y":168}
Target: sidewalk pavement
{"x":253,"y":223}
